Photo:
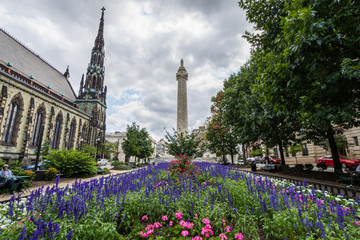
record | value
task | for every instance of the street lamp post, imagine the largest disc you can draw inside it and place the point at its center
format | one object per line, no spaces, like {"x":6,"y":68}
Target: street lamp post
{"x":97,"y":147}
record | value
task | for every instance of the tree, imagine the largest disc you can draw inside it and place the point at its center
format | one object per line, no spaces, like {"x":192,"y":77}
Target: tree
{"x":137,"y":142}
{"x":256,"y":152}
{"x":91,"y":150}
{"x":45,"y":148}
{"x":184,"y":143}
{"x":341,"y":143}
{"x":221,"y":139}
{"x":107,"y":148}
{"x":253,"y":119}
{"x":294,"y":149}
{"x":310,"y":66}
{"x":145,"y":143}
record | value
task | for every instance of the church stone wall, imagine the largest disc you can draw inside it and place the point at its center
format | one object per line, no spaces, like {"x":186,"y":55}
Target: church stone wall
{"x":32,"y":100}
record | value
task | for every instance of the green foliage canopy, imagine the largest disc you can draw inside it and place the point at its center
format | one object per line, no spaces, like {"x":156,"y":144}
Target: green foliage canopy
{"x":184,"y":143}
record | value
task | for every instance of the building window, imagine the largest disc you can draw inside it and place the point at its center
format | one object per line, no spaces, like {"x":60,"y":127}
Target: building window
{"x":13,"y":120}
{"x":356,"y":141}
{"x":57,"y":132}
{"x":305,"y":151}
{"x":71,"y":134}
{"x":276,"y":154}
{"x":10,"y":122}
{"x":39,"y":122}
{"x":286,"y":152}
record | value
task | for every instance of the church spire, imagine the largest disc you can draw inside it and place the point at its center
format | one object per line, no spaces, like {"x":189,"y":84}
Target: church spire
{"x":99,"y":41}
{"x":98,"y":52}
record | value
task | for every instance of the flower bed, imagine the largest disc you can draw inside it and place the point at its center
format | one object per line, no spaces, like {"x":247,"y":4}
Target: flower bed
{"x":150,"y":203}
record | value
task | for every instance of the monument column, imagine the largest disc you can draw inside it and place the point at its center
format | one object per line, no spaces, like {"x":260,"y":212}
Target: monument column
{"x":182,"y":111}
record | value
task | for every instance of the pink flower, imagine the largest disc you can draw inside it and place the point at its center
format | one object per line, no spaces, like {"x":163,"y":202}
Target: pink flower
{"x":170,"y":223}
{"x":149,"y":227}
{"x":184,"y":224}
{"x":223,"y":236}
{"x":238,"y":236}
{"x":157,"y":224}
{"x":165,"y":218}
{"x":178,"y":215}
{"x":227,"y":228}
{"x":358,"y":223}
{"x":197,"y":238}
{"x":145,"y":218}
{"x":223,"y":220}
{"x":142,"y":234}
{"x":196,"y":216}
{"x":184,"y":233}
{"x":206,"y":221}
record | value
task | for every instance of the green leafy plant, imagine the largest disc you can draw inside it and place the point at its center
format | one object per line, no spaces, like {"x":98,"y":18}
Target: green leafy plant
{"x":299,"y":167}
{"x":51,"y":174}
{"x":72,"y":163}
{"x":182,"y":165}
{"x":16,"y":169}
{"x":309,"y":166}
{"x":321,"y":166}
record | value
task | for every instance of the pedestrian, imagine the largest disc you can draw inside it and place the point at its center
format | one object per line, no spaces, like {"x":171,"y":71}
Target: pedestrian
{"x":10,"y":179}
{"x":266,"y":159}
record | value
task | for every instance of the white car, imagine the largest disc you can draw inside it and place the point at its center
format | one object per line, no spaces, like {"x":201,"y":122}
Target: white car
{"x":103,"y":162}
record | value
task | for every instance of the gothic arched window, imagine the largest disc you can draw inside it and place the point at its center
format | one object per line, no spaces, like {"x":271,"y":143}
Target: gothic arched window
{"x":93,"y":85}
{"x":57,"y":131}
{"x":13,"y":120}
{"x":72,"y":133}
{"x":83,"y":132}
{"x":38,"y":124}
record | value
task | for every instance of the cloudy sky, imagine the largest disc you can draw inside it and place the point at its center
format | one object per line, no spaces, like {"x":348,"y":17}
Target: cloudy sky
{"x":144,"y":42}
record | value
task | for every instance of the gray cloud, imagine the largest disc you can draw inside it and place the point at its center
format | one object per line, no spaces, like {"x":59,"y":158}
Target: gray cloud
{"x":144,"y":42}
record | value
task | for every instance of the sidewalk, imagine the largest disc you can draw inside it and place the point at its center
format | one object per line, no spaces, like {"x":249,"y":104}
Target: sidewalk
{"x":63,"y":182}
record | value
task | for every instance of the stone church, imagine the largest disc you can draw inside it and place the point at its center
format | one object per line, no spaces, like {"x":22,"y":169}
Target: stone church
{"x":38,"y":103}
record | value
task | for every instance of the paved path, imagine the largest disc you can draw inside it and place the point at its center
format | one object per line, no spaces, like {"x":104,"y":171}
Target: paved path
{"x":63,"y":183}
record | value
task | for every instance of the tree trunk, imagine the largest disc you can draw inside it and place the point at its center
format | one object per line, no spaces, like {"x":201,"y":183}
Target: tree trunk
{"x":281,"y":153}
{"x":232,"y":157}
{"x":335,"y":153}
{"x":244,"y":154}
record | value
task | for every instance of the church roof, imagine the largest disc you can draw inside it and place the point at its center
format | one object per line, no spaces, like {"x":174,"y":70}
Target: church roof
{"x":29,"y":63}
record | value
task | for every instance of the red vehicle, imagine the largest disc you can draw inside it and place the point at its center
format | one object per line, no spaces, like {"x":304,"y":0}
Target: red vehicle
{"x":345,"y":161}
{"x":272,"y":160}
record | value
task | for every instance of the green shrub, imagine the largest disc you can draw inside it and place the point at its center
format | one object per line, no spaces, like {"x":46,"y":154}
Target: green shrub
{"x":51,"y":174}
{"x":182,"y":165}
{"x":309,"y":166}
{"x":107,"y":170}
{"x":282,"y":167}
{"x":116,"y":164}
{"x":16,"y":169}
{"x":299,"y":167}
{"x":321,"y":166}
{"x":2,"y":162}
{"x":72,"y":163}
{"x":122,"y":167}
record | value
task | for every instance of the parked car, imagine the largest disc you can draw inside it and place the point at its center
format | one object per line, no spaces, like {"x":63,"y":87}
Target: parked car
{"x":256,"y":159}
{"x":272,"y":160}
{"x":345,"y":161}
{"x":250,"y":160}
{"x":240,"y":161}
{"x":103,"y":162}
{"x":31,"y":166}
